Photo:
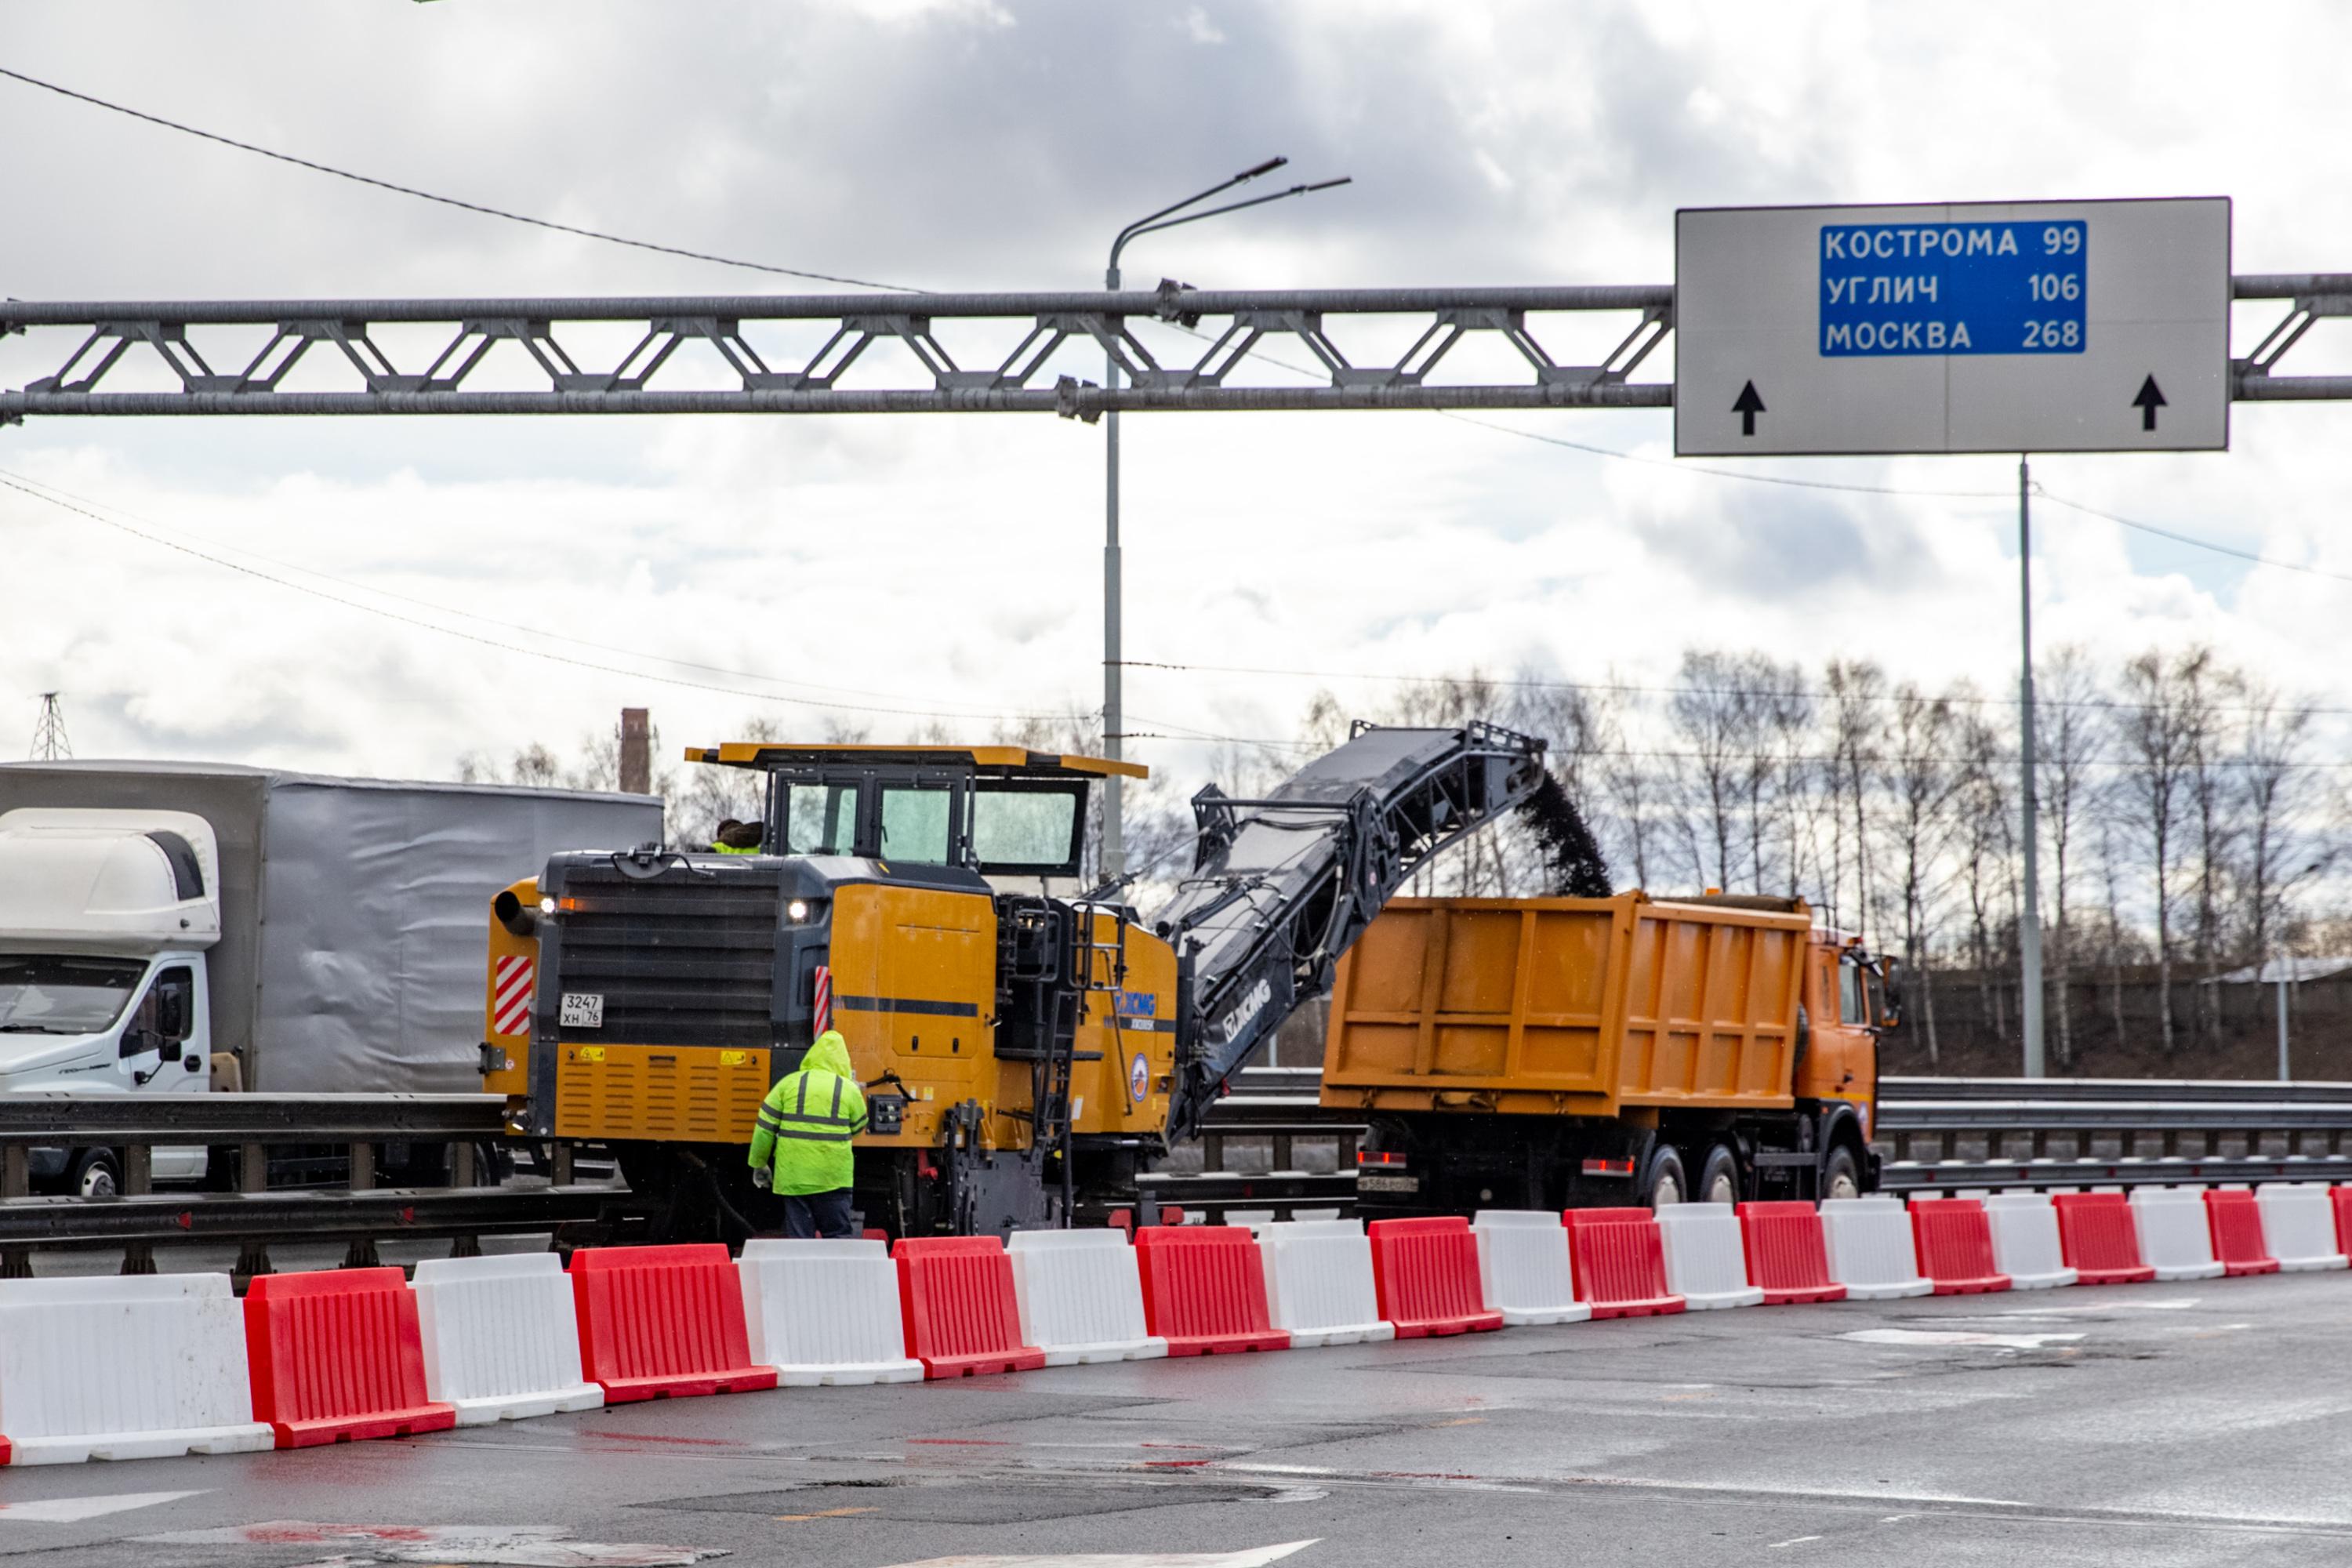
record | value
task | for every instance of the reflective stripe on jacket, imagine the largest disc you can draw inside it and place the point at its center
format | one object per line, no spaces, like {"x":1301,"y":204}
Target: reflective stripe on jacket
{"x":806,"y":1122}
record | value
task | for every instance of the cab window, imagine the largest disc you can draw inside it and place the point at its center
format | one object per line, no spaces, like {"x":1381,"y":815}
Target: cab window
{"x":1850,"y":1002}
{"x":821,"y":819}
{"x":915,"y":824}
{"x":1028,"y":829}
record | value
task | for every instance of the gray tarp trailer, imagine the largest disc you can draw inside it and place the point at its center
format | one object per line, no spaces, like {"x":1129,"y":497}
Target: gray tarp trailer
{"x":354,"y":912}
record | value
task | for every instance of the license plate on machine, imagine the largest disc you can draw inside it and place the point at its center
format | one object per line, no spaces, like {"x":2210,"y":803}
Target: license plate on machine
{"x":1367,"y":1183}
{"x":583,"y":1010}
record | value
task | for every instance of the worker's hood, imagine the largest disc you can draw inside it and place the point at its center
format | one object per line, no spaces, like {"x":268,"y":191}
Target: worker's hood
{"x":830,"y":1054}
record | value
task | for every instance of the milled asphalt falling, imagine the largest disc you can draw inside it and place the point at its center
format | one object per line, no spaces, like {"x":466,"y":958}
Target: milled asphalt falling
{"x":2206,"y":1423}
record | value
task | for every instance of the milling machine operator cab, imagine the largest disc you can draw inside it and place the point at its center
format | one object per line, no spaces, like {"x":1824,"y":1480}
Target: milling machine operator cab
{"x":992,"y":811}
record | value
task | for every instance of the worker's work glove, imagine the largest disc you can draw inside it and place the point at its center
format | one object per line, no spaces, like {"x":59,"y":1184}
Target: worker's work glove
{"x":764,"y":1178}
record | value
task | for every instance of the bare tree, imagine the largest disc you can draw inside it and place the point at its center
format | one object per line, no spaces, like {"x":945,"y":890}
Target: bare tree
{"x":1917,"y":780}
{"x":2069,"y":725}
{"x":2278,"y":849}
{"x":2156,"y":729}
{"x":1857,"y":691}
{"x":1712,"y":724}
{"x":1983,"y":837}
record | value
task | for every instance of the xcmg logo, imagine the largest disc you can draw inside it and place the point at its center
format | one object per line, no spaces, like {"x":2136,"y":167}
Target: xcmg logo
{"x":1254,"y":1000}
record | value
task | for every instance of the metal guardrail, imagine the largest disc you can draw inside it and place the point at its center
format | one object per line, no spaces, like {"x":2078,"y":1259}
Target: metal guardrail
{"x":2064,"y":1125}
{"x":1942,"y":1134}
{"x":245,"y":1128}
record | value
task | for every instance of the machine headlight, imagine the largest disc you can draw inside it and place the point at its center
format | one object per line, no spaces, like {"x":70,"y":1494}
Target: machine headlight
{"x":797,"y":909}
{"x":547,"y":905}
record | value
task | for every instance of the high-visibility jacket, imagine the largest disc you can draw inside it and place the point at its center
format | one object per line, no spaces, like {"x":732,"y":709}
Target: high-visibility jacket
{"x":718,"y":848}
{"x":807,"y":1120}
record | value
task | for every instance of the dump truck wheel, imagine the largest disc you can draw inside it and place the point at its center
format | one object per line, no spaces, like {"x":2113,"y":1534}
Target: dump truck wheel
{"x":1841,"y":1175}
{"x":1666,"y":1182}
{"x":1719,"y":1179}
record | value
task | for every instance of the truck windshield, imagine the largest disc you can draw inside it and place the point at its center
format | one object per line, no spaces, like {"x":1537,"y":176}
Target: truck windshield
{"x":47,"y":993}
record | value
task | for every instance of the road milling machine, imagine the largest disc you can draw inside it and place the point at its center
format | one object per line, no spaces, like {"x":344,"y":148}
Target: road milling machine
{"x":1025,"y":1055}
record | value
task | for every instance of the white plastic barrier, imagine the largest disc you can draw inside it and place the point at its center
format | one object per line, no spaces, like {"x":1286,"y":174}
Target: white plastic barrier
{"x":1868,"y":1243}
{"x":137,"y":1367}
{"x":2174,"y":1233}
{"x":501,"y":1339}
{"x":1081,"y":1299}
{"x":1523,"y":1266}
{"x":825,"y":1311}
{"x":1319,"y":1282}
{"x":2025,"y":1245}
{"x":1706,"y":1262}
{"x":2299,"y":1226}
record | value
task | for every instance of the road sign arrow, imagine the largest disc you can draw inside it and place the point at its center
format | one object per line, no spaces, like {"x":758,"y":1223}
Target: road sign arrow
{"x":1750,"y":405}
{"x":2150,"y":399}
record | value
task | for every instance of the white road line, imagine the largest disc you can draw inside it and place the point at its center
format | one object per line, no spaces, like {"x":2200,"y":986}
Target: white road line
{"x":1794,"y":1540}
{"x":1256,"y":1557}
{"x":71,"y":1509}
{"x":1956,"y":1337}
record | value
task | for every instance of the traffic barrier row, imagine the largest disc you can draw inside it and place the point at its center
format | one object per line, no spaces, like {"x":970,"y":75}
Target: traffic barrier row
{"x":135,"y":1367}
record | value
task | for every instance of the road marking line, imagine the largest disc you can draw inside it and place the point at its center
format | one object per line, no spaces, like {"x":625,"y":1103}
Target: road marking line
{"x":1927,"y":1337}
{"x":73,"y":1509}
{"x":1794,"y":1540}
{"x":1255,"y":1557}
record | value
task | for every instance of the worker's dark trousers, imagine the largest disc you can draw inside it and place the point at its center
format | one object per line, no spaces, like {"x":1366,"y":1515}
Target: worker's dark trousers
{"x":818,"y":1214}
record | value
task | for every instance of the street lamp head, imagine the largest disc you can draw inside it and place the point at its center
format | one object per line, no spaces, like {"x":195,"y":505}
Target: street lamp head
{"x":1268,"y":167}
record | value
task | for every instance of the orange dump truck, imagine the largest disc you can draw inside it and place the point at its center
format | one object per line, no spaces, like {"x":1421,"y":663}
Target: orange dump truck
{"x":1548,"y":1053}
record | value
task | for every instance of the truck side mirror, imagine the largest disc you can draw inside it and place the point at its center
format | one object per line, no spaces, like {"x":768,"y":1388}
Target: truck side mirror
{"x":1890,"y":995}
{"x":172,"y":1013}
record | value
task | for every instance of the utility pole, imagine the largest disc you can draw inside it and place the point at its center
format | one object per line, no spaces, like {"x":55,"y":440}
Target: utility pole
{"x":1114,"y":843}
{"x":50,"y":742}
{"x":2029,"y":922}
{"x":2285,"y":1074}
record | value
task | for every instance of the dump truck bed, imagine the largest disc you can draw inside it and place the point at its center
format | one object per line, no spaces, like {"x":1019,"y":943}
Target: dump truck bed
{"x":1568,"y":1006}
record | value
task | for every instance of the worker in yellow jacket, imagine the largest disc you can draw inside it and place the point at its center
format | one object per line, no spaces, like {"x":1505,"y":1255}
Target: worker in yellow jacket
{"x":800,"y":1145}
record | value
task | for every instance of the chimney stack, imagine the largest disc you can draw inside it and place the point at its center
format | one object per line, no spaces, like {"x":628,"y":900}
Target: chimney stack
{"x":637,"y":753}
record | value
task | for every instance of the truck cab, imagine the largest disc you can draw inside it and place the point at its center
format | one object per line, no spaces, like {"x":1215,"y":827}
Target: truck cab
{"x":105,"y":920}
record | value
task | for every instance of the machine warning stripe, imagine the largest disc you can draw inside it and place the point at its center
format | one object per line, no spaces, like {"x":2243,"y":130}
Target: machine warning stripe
{"x":907,"y":1004}
{"x":510,"y":1014}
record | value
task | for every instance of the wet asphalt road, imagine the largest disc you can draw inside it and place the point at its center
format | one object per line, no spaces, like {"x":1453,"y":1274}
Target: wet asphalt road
{"x":2158,"y":1423}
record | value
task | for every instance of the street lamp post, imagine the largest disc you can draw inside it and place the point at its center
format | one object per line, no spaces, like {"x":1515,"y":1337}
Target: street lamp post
{"x":1114,"y":849}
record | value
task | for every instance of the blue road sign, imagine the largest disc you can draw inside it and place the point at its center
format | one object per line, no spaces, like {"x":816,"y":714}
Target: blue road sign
{"x":1906,"y":289}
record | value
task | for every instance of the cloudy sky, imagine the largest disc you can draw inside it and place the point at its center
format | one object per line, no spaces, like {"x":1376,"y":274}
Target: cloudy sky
{"x":336,"y":584}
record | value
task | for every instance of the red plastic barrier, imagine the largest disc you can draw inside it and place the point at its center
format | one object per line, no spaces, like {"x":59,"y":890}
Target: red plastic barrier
{"x":1620,"y":1263}
{"x":1204,"y":1290}
{"x":1425,"y":1273}
{"x":336,"y":1355}
{"x":2238,"y":1246}
{"x":2341,"y":1197}
{"x":1954,"y":1240}
{"x":662,"y":1322}
{"x":2100,"y":1240}
{"x":1786,"y":1256}
{"x":957,"y":1305}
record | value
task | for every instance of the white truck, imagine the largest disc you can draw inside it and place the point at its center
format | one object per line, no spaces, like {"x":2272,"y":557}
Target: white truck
{"x":170,"y":928}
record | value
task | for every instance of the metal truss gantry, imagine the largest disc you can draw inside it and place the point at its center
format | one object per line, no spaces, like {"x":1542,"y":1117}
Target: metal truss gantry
{"x":1228,"y":374}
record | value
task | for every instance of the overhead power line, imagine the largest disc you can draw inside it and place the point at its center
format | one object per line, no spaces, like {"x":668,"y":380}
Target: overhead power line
{"x":1629,"y":688}
{"x":479,"y":207}
{"x":503,"y":623}
{"x":11,"y":482}
{"x":2191,"y":539}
